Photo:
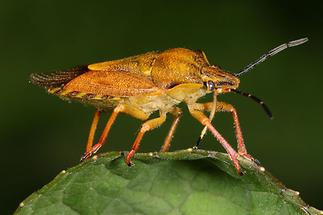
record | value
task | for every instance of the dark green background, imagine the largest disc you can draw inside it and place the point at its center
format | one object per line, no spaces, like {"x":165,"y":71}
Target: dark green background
{"x":40,"y":135}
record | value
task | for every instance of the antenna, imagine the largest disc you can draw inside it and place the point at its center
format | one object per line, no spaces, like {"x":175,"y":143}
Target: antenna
{"x":272,"y":53}
{"x":259,"y":101}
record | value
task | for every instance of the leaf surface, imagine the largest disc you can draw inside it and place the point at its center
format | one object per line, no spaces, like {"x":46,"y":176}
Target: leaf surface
{"x":180,"y":182}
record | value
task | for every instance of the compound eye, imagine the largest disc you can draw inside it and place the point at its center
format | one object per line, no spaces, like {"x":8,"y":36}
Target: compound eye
{"x":210,"y":85}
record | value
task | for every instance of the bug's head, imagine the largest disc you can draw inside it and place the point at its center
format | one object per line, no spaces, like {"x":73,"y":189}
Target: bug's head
{"x":217,"y":80}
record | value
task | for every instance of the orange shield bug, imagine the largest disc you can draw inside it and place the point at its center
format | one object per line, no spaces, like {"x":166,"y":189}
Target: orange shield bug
{"x":150,"y":82}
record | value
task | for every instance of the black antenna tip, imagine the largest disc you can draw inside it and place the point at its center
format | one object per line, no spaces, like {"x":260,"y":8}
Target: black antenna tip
{"x":259,"y":101}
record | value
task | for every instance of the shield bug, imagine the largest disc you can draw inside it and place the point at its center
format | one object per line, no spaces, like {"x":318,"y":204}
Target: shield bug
{"x":150,"y":82}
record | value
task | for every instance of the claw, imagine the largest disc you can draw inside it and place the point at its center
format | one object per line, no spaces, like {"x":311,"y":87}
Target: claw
{"x":88,"y":154}
{"x":129,"y":156}
{"x":84,"y":157}
{"x":249,"y":157}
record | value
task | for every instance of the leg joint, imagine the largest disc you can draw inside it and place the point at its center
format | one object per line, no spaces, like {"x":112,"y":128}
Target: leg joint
{"x":205,"y":121}
{"x":145,"y":127}
{"x":177,"y":112}
{"x":119,"y":108}
{"x":232,"y":109}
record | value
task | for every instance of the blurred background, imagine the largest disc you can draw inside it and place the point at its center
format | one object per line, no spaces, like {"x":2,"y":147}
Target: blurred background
{"x":40,"y":135}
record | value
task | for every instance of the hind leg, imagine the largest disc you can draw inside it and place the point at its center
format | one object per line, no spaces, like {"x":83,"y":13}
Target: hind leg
{"x":92,"y":130}
{"x":120,"y":108}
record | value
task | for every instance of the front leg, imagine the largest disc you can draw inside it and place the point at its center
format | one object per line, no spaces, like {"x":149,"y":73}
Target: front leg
{"x":204,"y":120}
{"x":225,"y":107}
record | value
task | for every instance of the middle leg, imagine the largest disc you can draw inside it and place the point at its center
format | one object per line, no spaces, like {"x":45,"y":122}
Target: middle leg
{"x":177,"y":113}
{"x":147,"y":126}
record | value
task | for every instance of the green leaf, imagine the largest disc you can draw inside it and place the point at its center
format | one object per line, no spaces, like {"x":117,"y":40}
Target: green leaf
{"x":181,"y":182}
